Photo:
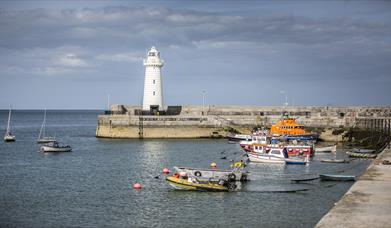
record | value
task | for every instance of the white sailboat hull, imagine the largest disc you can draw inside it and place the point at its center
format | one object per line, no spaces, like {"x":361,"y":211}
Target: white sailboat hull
{"x":45,"y":140}
{"x":55,"y":149}
{"x":10,"y":138}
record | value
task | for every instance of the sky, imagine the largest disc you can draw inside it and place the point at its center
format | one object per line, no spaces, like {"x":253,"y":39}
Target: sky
{"x":73,"y":54}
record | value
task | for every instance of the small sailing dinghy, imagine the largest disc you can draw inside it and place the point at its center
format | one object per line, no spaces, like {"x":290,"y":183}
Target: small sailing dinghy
{"x":42,"y":138}
{"x":56,"y":147}
{"x":9,"y":137}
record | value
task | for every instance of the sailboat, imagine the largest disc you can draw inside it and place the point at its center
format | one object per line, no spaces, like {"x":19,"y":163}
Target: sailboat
{"x":42,"y":138}
{"x":9,"y":137}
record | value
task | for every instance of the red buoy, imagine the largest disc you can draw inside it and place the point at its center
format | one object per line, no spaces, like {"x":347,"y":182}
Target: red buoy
{"x":166,"y":171}
{"x":137,"y":186}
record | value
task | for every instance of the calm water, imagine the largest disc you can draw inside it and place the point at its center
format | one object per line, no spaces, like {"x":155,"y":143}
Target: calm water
{"x":92,"y":186}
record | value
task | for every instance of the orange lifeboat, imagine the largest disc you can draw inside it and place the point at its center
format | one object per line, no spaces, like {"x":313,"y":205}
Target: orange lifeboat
{"x":288,"y":126}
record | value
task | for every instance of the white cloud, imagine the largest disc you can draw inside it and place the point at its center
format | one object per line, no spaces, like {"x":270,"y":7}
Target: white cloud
{"x":121,"y":57}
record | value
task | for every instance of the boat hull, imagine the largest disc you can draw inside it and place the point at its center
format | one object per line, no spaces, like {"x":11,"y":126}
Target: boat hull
{"x":43,"y":140}
{"x":182,"y":184}
{"x":9,"y":138}
{"x":332,"y":177}
{"x":295,"y":162}
{"x":215,"y":174}
{"x":265,"y":158}
{"x":54,"y":149}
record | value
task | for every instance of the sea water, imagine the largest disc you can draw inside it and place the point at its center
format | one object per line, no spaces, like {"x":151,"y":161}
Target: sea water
{"x":92,"y":185}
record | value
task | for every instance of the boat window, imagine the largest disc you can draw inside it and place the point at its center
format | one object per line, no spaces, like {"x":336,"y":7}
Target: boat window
{"x":275,"y":152}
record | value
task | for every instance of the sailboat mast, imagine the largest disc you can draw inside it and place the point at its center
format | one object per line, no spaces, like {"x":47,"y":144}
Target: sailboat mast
{"x":42,"y":126}
{"x":9,"y":120}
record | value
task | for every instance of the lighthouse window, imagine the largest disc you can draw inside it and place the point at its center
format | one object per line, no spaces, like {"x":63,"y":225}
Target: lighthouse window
{"x":153,"y":81}
{"x":154,"y":93}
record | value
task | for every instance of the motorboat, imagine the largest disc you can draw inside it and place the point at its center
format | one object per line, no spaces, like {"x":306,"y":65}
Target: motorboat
{"x":363,"y":151}
{"x":41,"y":137}
{"x":9,"y":137}
{"x":182,"y":181}
{"x":237,"y":173}
{"x":238,"y":137}
{"x":56,"y":147}
{"x":326,"y":149}
{"x":290,"y":130}
{"x":336,"y":177}
{"x":275,"y":155}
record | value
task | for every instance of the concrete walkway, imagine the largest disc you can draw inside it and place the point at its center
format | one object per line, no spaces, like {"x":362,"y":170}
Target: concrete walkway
{"x":368,"y":201}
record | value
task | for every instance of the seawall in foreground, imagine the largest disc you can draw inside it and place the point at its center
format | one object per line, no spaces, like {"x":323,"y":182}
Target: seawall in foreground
{"x":368,"y":202}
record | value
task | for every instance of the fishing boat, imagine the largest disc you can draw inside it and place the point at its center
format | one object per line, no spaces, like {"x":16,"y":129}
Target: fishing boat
{"x":186,"y":182}
{"x":336,"y":177}
{"x":41,"y":137}
{"x":290,"y":130}
{"x":276,"y":155}
{"x":360,"y":155}
{"x":363,"y":151}
{"x":56,"y":147}
{"x":9,"y":137}
{"x":238,"y":173}
{"x":326,"y":149}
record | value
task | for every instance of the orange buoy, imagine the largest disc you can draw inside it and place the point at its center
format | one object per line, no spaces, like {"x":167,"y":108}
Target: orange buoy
{"x":137,"y":186}
{"x":166,"y":171}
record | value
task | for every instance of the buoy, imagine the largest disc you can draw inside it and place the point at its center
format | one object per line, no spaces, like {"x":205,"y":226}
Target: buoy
{"x":213,"y":165}
{"x":166,"y":171}
{"x":137,"y":186}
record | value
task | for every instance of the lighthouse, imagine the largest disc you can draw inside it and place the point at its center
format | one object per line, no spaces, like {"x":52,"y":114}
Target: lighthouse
{"x":153,"y":94}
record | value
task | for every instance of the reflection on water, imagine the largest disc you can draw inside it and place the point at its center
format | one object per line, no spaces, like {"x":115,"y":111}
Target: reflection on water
{"x":92,"y":186}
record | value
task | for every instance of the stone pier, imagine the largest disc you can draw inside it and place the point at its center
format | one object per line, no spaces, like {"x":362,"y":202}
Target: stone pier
{"x":124,"y":121}
{"x":368,"y":202}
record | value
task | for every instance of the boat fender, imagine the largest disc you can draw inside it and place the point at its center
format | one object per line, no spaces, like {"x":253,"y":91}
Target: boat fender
{"x":232,"y":176}
{"x":197,"y":173}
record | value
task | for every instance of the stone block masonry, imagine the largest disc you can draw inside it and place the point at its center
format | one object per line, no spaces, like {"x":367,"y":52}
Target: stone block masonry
{"x":123,"y":121}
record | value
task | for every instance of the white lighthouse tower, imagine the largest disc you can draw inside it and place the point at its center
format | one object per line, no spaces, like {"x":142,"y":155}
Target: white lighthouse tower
{"x":153,"y":94}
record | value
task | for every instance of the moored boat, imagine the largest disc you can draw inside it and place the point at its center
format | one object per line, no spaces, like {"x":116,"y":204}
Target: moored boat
{"x":56,"y":147}
{"x":9,"y":137}
{"x":239,"y":137}
{"x":326,"y":149}
{"x":290,"y":130}
{"x":185,"y":182}
{"x":275,"y":155}
{"x":335,"y":160}
{"x":336,"y":177}
{"x":360,"y":155}
{"x":238,"y":173}
{"x":41,"y":137}
{"x":363,"y":151}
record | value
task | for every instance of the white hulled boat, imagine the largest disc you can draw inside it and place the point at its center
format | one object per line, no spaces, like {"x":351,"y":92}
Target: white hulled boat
{"x":9,"y":137}
{"x":56,"y":147}
{"x":42,"y":138}
{"x":275,"y":155}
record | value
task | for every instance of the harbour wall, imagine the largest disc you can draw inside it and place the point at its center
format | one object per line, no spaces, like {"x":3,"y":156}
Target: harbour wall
{"x":126,"y":121}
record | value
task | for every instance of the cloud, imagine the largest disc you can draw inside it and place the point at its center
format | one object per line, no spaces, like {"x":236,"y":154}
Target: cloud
{"x":121,"y":57}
